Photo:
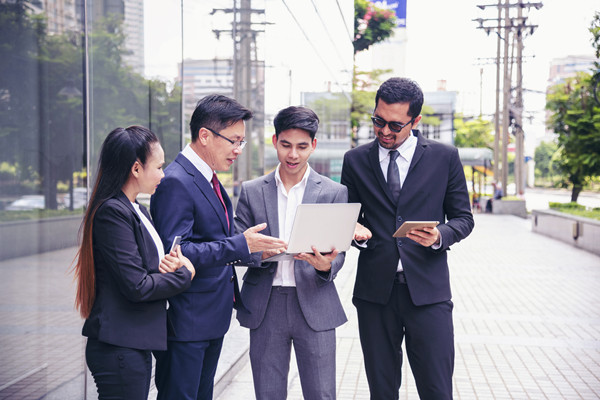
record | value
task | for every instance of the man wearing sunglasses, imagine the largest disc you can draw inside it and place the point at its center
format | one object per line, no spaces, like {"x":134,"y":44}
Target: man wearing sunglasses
{"x":192,"y":203}
{"x":402,"y":289}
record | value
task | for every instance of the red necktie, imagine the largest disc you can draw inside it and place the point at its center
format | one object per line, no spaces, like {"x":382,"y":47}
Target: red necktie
{"x":217,"y":189}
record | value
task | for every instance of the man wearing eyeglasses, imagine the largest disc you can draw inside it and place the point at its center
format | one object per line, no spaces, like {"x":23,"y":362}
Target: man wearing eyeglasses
{"x":402,"y":289}
{"x":191,"y":203}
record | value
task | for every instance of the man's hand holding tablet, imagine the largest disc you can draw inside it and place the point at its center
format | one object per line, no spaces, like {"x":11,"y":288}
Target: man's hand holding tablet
{"x":423,"y":232}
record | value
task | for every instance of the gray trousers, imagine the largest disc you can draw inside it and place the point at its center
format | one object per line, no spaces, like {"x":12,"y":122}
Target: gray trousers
{"x":270,"y":351}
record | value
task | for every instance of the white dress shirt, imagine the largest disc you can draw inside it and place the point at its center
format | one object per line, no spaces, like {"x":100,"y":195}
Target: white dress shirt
{"x":287,"y":202}
{"x":199,"y":163}
{"x":152,"y":231}
{"x":407,"y":151}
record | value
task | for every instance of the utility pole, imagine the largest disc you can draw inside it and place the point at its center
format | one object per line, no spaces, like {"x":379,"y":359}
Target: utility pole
{"x":506,"y":26}
{"x":518,"y":112}
{"x":247,"y":86}
{"x":505,"y":99}
{"x":497,"y":112}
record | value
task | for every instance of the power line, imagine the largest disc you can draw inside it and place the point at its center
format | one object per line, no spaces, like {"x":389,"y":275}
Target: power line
{"x":316,"y":51}
{"x":327,"y":31}
{"x":350,"y":36}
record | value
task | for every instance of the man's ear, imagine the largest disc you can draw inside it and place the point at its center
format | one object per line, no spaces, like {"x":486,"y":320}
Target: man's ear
{"x":203,"y":134}
{"x":416,"y":123}
{"x":274,"y":140}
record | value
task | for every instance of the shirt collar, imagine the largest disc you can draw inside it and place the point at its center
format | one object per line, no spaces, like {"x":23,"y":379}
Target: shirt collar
{"x":406,"y":149}
{"x":302,"y":182}
{"x":198,"y":162}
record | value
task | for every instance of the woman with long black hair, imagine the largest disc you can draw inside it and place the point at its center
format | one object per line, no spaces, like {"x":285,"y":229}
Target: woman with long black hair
{"x":123,"y":275}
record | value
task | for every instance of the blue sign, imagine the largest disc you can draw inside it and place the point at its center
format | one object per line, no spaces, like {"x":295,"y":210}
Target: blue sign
{"x":398,"y":6}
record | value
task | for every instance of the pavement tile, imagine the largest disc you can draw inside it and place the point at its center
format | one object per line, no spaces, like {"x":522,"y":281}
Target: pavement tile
{"x":527,"y":324}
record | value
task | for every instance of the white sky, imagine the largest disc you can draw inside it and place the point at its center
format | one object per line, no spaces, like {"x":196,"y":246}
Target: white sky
{"x":442,"y":43}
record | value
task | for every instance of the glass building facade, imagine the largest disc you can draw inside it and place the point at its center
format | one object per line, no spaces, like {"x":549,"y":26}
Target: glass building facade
{"x":73,"y":70}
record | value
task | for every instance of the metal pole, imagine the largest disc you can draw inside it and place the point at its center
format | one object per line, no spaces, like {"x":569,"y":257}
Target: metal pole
{"x":519,"y":143}
{"x":506,"y":97}
{"x":497,"y":115}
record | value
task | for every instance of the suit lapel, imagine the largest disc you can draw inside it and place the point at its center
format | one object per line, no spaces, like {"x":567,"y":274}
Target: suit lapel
{"x":313,"y":188}
{"x":207,"y":192}
{"x":419,"y":150}
{"x":269,"y":190}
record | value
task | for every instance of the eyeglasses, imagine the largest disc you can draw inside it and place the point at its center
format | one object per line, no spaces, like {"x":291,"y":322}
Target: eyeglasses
{"x":236,"y":143}
{"x":394,"y":125}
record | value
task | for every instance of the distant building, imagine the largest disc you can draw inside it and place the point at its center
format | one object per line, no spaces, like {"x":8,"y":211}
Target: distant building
{"x":67,"y":16}
{"x":444,"y":108}
{"x":204,"y":77}
{"x":562,"y":68}
{"x":61,"y":15}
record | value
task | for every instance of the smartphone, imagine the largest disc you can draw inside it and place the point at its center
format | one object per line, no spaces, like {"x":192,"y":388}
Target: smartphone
{"x":176,"y":241}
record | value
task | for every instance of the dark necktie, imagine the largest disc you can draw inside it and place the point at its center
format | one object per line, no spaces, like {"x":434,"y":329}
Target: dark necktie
{"x":217,"y":189}
{"x":393,"y":175}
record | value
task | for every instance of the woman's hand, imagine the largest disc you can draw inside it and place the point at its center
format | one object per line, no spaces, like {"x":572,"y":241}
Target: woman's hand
{"x":175,"y":260}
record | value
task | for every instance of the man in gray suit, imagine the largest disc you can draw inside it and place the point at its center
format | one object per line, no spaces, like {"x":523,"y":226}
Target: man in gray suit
{"x":292,"y":301}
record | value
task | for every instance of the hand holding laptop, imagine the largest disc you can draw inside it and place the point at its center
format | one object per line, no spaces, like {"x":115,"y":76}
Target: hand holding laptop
{"x":321,"y":262}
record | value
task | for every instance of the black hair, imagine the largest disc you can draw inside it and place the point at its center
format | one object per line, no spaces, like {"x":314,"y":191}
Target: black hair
{"x":296,"y":118}
{"x":217,"y":112}
{"x":120,"y":150}
{"x":401,"y":90}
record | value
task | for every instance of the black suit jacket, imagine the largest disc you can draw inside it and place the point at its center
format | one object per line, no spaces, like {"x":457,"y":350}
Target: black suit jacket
{"x":434,"y":189}
{"x":130,"y":308}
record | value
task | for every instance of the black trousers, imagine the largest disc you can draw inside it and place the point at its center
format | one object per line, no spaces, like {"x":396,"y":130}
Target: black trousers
{"x":119,"y":372}
{"x":429,"y":337}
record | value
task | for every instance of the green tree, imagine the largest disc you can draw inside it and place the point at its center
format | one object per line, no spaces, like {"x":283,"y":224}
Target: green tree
{"x":595,"y":31}
{"x":371,"y":25}
{"x":543,"y":157}
{"x":364,"y":85}
{"x":473,"y":132}
{"x":42,"y":126}
{"x":576,"y":120}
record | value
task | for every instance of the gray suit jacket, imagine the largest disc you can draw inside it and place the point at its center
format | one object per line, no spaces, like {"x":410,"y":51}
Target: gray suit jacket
{"x":316,"y":291}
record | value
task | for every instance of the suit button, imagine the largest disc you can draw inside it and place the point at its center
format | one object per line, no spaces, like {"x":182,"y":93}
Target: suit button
{"x":232,"y":278}
{"x":399,"y":244}
{"x":399,"y":219}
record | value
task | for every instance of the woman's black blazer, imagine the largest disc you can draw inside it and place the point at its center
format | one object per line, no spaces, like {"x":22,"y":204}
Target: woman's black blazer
{"x":130,"y":307}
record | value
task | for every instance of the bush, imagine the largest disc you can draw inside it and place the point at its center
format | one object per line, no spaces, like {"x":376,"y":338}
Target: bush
{"x":576,"y":209}
{"x":566,"y":206}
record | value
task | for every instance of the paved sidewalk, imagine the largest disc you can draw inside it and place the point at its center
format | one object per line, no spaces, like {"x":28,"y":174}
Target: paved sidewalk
{"x":527,"y":322}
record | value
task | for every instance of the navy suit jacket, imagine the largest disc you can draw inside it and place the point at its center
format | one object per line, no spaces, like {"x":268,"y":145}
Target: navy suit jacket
{"x":434,"y":189}
{"x":317,"y":295}
{"x":130,"y":308}
{"x":185,"y":204}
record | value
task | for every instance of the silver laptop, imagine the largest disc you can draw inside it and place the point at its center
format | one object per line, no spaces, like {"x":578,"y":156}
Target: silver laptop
{"x":324,"y":225}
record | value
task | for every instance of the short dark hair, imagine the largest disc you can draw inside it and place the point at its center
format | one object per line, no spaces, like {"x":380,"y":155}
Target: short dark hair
{"x":401,"y":90}
{"x":217,"y":112}
{"x":294,"y":117}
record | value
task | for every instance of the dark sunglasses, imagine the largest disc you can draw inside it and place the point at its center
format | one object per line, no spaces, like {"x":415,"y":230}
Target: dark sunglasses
{"x":394,"y":125}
